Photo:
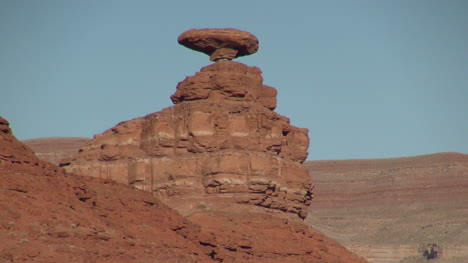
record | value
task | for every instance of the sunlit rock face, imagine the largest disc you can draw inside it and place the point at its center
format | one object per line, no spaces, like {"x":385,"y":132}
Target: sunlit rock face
{"x":221,"y":137}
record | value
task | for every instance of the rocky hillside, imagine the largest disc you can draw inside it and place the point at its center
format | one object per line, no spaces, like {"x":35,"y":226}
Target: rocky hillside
{"x":385,"y":225}
{"x":47,"y":215}
{"x":386,"y":209}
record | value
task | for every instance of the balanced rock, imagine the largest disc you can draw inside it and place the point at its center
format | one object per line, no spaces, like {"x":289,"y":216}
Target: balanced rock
{"x":221,"y":138}
{"x":219,"y":44}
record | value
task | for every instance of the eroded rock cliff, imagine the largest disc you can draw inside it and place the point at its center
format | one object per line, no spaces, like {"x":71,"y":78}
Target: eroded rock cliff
{"x":221,"y":137}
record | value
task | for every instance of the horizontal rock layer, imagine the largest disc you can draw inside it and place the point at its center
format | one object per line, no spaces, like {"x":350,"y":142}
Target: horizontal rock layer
{"x":385,"y":203}
{"x":226,"y":80}
{"x":438,"y":178}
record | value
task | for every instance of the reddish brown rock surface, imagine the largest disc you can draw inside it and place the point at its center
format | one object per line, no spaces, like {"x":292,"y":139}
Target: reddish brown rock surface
{"x":48,"y":216}
{"x":220,"y":43}
{"x":226,"y":80}
{"x":18,"y":157}
{"x":388,"y":225}
{"x":220,"y":138}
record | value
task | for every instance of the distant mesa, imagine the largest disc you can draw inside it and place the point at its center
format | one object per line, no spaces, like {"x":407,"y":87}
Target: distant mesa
{"x":384,"y":209}
{"x":54,"y":149}
{"x":220,"y":43}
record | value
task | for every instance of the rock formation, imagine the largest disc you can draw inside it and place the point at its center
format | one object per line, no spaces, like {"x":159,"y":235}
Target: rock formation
{"x":49,"y":216}
{"x":18,"y":157}
{"x":388,"y":225}
{"x":221,"y":138}
{"x":220,"y":43}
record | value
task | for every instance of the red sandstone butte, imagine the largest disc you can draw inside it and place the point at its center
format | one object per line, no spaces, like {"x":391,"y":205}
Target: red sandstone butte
{"x":220,"y":139}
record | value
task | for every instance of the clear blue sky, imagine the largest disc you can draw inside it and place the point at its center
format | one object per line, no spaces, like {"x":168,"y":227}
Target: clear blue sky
{"x":370,"y":79}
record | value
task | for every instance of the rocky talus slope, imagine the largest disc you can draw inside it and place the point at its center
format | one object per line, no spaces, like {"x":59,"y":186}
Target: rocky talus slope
{"x":54,"y":149}
{"x":47,"y":215}
{"x":221,"y":138}
{"x":390,"y":209}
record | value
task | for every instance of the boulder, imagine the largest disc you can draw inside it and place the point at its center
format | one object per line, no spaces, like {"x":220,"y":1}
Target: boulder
{"x":220,"y":43}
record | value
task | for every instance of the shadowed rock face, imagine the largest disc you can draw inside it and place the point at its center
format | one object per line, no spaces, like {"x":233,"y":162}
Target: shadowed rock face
{"x":220,"y":138}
